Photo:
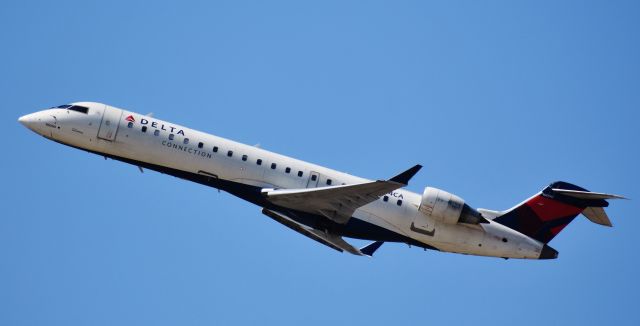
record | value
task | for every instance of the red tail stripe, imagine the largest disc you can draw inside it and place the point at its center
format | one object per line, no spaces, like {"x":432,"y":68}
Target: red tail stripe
{"x":548,"y":209}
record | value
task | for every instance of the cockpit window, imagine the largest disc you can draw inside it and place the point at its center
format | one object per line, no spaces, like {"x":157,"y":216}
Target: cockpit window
{"x":78,"y":108}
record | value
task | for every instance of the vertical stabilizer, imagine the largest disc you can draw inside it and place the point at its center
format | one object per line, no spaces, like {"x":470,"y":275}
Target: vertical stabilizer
{"x":544,"y":215}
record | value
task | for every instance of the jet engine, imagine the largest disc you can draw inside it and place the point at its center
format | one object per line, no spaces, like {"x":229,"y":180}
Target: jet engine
{"x":448,"y":208}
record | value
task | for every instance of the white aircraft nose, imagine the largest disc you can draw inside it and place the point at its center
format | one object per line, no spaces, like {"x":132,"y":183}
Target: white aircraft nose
{"x":24,"y":120}
{"x":28,"y":120}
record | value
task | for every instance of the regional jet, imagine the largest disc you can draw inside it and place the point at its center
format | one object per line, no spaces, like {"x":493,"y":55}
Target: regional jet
{"x":320,"y":203}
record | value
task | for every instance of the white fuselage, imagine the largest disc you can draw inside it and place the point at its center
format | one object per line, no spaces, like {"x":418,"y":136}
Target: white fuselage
{"x":153,"y":143}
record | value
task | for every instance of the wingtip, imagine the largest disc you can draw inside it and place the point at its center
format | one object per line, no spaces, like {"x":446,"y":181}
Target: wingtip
{"x":405,"y":176}
{"x":371,"y":248}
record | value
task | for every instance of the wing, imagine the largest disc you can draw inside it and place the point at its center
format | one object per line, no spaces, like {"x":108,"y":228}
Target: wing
{"x":330,"y":240}
{"x":337,"y":202}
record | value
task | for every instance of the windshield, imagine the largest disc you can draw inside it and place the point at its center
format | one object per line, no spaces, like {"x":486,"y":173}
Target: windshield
{"x":77,"y":108}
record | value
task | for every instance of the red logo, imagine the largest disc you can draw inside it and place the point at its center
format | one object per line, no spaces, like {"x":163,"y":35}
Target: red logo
{"x":130,"y":119}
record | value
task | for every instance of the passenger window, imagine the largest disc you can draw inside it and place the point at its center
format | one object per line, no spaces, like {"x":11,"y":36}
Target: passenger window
{"x":144,"y":128}
{"x":259,"y":162}
{"x":399,"y":203}
{"x":170,"y":136}
{"x":385,"y":198}
{"x":156,"y":132}
{"x":273,"y":166}
{"x":230,"y":153}
{"x":287,"y":170}
{"x":244,"y":157}
{"x":215,"y":149}
{"x":328,"y":182}
{"x":314,"y":177}
{"x":200,"y":145}
{"x":130,"y":124}
{"x":299,"y":173}
{"x":186,"y":141}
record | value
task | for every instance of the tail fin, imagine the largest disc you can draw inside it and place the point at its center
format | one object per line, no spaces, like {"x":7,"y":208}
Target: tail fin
{"x":544,"y":215}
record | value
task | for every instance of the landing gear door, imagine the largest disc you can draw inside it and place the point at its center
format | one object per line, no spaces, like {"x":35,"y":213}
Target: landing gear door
{"x":109,"y":124}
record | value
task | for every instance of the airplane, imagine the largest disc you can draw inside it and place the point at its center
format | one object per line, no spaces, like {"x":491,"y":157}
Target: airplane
{"x":320,"y":203}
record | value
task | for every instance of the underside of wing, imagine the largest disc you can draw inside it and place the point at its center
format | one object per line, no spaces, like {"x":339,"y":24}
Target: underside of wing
{"x":330,"y":240}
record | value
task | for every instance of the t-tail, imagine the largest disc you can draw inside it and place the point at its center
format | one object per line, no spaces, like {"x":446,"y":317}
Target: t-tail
{"x":544,"y":215}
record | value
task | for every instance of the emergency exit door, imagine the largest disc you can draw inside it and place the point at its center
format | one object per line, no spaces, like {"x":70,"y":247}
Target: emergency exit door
{"x":110,"y":121}
{"x":314,"y":177}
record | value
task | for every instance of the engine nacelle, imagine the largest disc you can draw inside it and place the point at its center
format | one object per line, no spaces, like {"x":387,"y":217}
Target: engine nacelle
{"x":448,"y":208}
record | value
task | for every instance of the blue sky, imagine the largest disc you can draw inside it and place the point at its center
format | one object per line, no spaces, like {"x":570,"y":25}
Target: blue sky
{"x":495,"y":98}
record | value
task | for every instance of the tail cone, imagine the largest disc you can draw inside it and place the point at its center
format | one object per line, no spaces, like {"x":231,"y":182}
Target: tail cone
{"x":548,"y":253}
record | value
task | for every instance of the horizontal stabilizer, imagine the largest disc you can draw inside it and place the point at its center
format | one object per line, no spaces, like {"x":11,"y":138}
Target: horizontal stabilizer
{"x":595,"y":201}
{"x":597,"y":215}
{"x":586,"y":194}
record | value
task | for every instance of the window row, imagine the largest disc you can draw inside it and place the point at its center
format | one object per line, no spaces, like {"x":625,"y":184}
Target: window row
{"x":230,"y":154}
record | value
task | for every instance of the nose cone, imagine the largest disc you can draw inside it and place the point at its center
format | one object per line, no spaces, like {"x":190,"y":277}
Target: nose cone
{"x":27,"y":120}
{"x":30,"y":121}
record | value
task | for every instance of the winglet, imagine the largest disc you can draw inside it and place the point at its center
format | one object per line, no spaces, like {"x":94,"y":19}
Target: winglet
{"x":369,"y":249}
{"x":405,"y":176}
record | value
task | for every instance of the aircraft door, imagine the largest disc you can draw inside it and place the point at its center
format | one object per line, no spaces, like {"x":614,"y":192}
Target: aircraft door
{"x":314,"y":177}
{"x":110,"y":121}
